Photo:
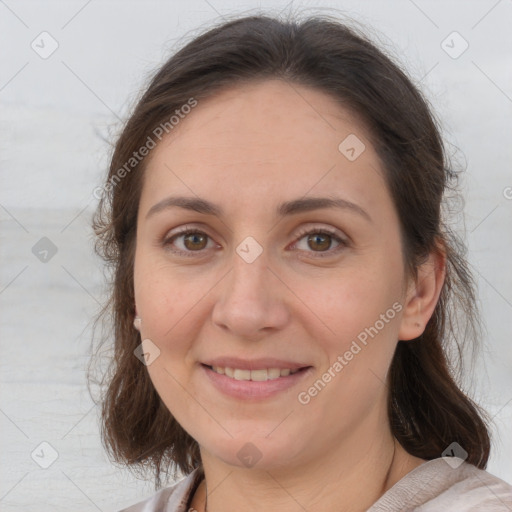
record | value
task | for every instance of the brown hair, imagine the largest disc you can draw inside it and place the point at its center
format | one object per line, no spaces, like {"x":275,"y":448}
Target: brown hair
{"x":427,"y":409}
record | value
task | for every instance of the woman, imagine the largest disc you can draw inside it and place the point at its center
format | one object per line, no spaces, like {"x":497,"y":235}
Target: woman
{"x":284,"y":285}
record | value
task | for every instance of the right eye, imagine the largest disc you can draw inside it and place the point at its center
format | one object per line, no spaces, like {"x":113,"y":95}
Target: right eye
{"x":191,"y":240}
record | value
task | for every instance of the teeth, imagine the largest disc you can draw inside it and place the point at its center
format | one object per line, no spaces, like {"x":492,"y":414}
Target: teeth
{"x":273,"y":373}
{"x":242,"y":374}
{"x":260,"y":375}
{"x":256,"y":375}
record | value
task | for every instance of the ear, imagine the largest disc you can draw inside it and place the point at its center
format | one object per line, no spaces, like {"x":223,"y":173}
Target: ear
{"x":136,"y":320}
{"x":422,"y":295}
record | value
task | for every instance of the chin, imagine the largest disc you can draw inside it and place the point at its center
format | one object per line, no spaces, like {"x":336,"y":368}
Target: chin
{"x":257,"y":454}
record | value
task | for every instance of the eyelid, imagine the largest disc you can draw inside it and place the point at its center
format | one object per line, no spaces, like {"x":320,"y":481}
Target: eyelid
{"x":315,"y":228}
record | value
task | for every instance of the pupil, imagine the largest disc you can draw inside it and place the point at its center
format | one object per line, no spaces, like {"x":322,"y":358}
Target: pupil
{"x":326,"y":243}
{"x":194,"y":237}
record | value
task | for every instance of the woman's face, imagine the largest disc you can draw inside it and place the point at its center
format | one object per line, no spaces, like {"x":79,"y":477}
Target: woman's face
{"x":252,"y":290}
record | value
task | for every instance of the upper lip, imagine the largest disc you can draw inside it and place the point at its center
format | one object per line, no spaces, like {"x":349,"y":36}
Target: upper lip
{"x":254,"y":364}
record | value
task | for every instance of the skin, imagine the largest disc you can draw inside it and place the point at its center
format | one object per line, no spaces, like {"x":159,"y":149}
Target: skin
{"x":248,"y":149}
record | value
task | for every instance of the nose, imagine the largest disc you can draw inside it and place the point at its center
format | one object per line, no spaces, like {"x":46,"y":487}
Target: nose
{"x":251,"y":299}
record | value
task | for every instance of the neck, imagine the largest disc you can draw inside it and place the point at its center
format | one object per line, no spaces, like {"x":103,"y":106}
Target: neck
{"x":351,"y":478}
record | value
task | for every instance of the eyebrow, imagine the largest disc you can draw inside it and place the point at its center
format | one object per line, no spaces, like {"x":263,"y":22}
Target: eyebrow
{"x":296,"y":206}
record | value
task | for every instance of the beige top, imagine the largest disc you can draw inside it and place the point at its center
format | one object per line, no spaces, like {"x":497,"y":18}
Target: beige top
{"x":434,"y":486}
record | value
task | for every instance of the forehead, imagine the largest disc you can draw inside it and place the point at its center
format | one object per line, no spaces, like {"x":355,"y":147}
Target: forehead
{"x":266,"y":142}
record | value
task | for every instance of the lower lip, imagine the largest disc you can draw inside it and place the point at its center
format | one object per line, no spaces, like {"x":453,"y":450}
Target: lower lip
{"x":248,"y":389}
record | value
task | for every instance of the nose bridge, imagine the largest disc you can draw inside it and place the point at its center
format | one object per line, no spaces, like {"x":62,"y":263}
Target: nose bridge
{"x":249,"y":279}
{"x":249,"y":301}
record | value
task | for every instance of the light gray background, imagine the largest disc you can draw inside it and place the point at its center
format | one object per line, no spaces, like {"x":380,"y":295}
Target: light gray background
{"x":55,"y":116}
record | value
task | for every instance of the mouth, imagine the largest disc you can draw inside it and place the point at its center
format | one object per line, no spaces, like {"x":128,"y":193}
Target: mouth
{"x":257,"y":383}
{"x":258,"y":375}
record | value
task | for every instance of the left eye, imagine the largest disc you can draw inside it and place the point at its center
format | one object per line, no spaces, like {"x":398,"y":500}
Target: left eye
{"x":317,"y":240}
{"x":320,"y":241}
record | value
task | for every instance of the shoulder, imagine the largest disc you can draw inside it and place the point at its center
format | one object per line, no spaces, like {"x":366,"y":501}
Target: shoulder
{"x":170,"y":499}
{"x":476,"y":490}
{"x":448,"y":484}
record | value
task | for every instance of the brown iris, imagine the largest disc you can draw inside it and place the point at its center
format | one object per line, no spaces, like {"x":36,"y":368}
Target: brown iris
{"x":321,"y":245}
{"x":193,"y":238}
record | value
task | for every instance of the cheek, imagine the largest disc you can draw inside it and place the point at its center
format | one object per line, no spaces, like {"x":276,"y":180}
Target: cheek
{"x":166,"y":309}
{"x":163,"y":310}
{"x":160,"y":300}
{"x":170,"y":302}
{"x":347,"y":302}
{"x":358,"y":335}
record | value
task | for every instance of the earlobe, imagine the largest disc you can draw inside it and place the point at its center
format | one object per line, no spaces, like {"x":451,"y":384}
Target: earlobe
{"x":137,"y":321}
{"x":422,"y":296}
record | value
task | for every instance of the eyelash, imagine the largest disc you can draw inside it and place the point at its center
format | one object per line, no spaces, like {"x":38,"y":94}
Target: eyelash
{"x":343,"y":243}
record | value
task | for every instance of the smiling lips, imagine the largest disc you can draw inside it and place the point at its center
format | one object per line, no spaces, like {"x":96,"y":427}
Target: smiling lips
{"x":259,"y":370}
{"x":254,"y":380}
